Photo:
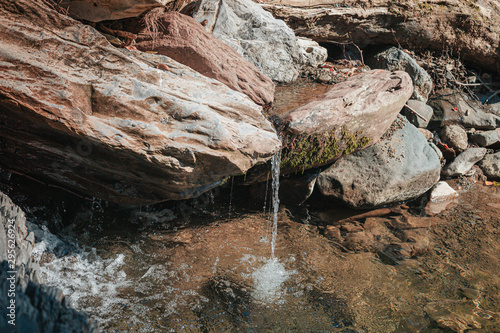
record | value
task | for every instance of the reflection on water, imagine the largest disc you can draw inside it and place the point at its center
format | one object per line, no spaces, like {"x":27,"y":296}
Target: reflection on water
{"x":214,"y":275}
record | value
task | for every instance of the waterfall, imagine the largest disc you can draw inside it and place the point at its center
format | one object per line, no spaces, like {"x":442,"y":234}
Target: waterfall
{"x":275,"y":173}
{"x":269,"y":278}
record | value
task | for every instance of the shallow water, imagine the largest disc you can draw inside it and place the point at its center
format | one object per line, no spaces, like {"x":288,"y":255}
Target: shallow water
{"x":216,"y":276}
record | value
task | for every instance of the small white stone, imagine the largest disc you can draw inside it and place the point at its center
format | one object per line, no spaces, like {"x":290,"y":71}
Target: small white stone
{"x":442,"y":191}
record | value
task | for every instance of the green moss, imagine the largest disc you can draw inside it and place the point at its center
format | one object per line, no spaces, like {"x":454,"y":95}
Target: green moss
{"x":354,"y":141}
{"x":308,"y":150}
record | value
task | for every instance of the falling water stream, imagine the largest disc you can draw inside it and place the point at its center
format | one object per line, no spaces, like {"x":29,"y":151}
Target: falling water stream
{"x":275,"y":170}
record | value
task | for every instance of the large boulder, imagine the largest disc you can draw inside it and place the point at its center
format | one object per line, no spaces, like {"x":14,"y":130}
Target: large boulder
{"x":185,"y":40}
{"x":491,"y":166}
{"x":470,"y":29}
{"x":128,"y":127}
{"x":102,"y":10}
{"x":350,"y":116}
{"x":394,"y":59}
{"x":254,"y":33}
{"x":399,"y":167}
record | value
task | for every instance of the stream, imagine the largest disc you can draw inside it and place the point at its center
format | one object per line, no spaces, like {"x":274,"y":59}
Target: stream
{"x":224,"y":263}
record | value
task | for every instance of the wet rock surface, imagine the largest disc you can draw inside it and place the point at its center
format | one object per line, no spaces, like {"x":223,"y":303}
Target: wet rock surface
{"x":183,"y":39}
{"x":399,"y":167}
{"x":333,"y":257}
{"x":124,"y":126}
{"x":38,"y":308}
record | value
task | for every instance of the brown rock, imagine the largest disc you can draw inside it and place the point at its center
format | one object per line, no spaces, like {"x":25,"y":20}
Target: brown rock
{"x":106,"y":122}
{"x":350,"y":116}
{"x":427,"y":134}
{"x":333,"y":232}
{"x":101,"y":10}
{"x":183,"y":39}
{"x":470,"y":29}
{"x":456,"y":137}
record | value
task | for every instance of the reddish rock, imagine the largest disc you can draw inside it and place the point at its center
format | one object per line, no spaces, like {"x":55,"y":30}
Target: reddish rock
{"x":108,"y":122}
{"x":183,"y":39}
{"x":101,"y":10}
{"x":351,"y":116}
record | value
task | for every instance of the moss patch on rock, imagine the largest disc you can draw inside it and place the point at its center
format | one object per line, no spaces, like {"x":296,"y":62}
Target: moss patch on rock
{"x":354,"y":141}
{"x":306,"y":151}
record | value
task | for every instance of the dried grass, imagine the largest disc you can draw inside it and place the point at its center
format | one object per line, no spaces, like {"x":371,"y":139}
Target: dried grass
{"x":56,"y":5}
{"x":152,"y":23}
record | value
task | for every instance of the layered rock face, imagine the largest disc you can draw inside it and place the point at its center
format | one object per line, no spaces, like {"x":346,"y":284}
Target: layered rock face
{"x":399,"y":167}
{"x":185,"y":40}
{"x":101,"y":10}
{"x":123,"y":126}
{"x":471,"y":29}
{"x":255,"y":34}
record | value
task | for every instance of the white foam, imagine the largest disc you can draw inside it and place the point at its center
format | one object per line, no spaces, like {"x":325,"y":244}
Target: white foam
{"x":268,"y":281}
{"x":90,"y":282}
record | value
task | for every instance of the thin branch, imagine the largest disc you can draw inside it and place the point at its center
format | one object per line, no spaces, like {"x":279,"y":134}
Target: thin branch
{"x":478,"y":84}
{"x":492,"y":95}
{"x":416,"y":113}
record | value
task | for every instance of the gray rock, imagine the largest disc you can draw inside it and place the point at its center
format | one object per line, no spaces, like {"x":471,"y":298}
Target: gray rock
{"x":455,"y":136}
{"x":395,"y":59}
{"x":437,"y":150}
{"x":456,"y":108}
{"x":38,"y":308}
{"x":491,"y":166}
{"x":423,"y":109}
{"x":312,"y":53}
{"x":397,"y":168}
{"x":254,"y":33}
{"x":487,"y":138}
{"x":464,"y":162}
